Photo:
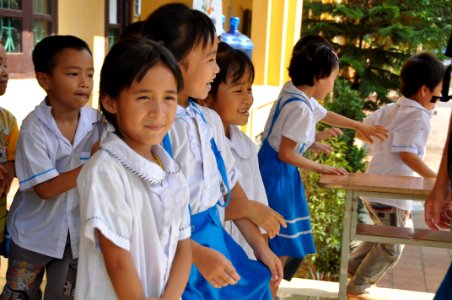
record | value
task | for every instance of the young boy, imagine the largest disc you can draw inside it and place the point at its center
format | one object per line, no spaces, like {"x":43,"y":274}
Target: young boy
{"x":56,"y":139}
{"x":9,"y":132}
{"x":408,"y":123}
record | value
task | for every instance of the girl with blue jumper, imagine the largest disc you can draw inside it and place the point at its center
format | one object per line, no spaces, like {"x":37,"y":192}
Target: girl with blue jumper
{"x":291,"y":130}
{"x":221,"y":269}
{"x":135,"y":225}
{"x":231,"y":97}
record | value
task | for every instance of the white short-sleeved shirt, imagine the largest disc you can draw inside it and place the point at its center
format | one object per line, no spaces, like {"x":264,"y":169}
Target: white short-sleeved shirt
{"x":139,"y":207}
{"x":43,"y":153}
{"x":245,"y":154}
{"x":190,"y":140}
{"x":408,"y":124}
{"x":297,"y":121}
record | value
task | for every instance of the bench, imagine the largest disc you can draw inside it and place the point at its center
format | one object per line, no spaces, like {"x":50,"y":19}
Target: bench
{"x":380,"y":186}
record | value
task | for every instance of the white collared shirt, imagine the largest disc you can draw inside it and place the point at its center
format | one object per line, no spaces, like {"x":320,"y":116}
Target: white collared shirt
{"x":190,"y":140}
{"x":139,"y":207}
{"x":297,"y":121}
{"x":43,"y":153}
{"x":408,"y":124}
{"x":245,"y":154}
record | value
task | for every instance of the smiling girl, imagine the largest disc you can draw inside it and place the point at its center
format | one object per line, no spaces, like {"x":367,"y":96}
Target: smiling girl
{"x":231,"y":97}
{"x":221,"y":269}
{"x":134,"y":198}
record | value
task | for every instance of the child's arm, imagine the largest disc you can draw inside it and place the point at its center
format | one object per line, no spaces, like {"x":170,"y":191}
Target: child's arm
{"x":260,"y":248}
{"x":62,"y":183}
{"x":441,"y":193}
{"x":416,"y":164}
{"x":179,"y":271}
{"x":121,"y":270}
{"x":213,"y":266}
{"x":364,"y":132}
{"x":261,"y":215}
{"x":288,"y":155}
{"x":8,"y":173}
{"x":58,"y":185}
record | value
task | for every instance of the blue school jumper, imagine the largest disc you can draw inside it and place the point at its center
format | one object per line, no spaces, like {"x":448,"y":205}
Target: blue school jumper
{"x":208,"y":231}
{"x":286,"y":195}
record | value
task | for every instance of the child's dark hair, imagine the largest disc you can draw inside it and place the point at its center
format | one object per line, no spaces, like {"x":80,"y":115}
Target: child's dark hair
{"x":311,"y":39}
{"x":233,"y":64}
{"x":180,"y":28}
{"x":46,"y":51}
{"x":132,"y":30}
{"x":312,"y":58}
{"x":129,"y":60}
{"x":420,"y":69}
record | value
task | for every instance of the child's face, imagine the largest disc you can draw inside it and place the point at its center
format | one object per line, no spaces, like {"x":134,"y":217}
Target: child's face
{"x":145,"y":111}
{"x":325,"y":85}
{"x":3,"y":70}
{"x":233,"y":101}
{"x":199,"y":69}
{"x":71,"y":82}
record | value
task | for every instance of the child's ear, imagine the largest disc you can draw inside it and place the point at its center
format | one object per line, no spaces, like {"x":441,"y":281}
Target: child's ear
{"x":424,"y":90}
{"x":43,"y":80}
{"x":109,"y":104}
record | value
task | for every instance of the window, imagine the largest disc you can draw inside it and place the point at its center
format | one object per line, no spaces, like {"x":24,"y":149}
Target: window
{"x":117,"y":19}
{"x":23,"y":23}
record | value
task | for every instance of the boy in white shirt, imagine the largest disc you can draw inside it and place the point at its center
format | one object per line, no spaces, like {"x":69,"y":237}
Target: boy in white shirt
{"x":55,"y":141}
{"x":402,"y":153}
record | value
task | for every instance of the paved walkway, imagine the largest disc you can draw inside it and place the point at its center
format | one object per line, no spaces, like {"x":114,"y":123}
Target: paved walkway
{"x":417,"y":276}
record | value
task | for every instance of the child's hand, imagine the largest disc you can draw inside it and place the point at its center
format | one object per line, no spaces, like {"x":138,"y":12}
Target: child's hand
{"x":446,"y":214}
{"x":318,"y":147}
{"x":266,"y":218}
{"x":366,"y":132}
{"x":216,"y":268}
{"x":325,"y":169}
{"x":327,"y":134}
{"x":268,"y":258}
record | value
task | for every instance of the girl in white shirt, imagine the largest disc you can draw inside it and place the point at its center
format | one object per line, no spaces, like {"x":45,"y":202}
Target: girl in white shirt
{"x":231,"y":98}
{"x":221,"y":269}
{"x":290,"y":130}
{"x":134,"y":198}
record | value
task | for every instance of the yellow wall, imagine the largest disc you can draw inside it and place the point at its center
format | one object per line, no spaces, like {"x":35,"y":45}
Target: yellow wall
{"x":86,"y":20}
{"x":275,"y":28}
{"x":235,"y":8}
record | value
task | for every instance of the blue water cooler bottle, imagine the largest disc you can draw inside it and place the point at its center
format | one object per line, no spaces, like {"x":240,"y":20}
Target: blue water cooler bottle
{"x":237,"y":40}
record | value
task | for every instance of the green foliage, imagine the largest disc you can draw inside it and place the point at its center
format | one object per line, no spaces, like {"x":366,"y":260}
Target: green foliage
{"x":326,"y":206}
{"x":374,"y":38}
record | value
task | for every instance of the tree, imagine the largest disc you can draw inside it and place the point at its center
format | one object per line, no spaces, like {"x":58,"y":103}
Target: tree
{"x":374,"y":38}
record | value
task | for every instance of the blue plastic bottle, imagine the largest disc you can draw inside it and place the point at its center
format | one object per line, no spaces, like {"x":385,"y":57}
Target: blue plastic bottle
{"x":237,"y":40}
